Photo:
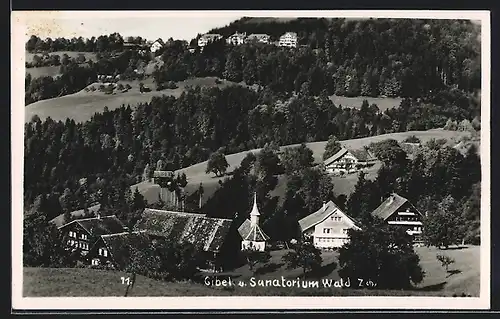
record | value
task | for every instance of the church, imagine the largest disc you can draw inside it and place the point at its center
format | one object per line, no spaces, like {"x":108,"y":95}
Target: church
{"x":251,"y":233}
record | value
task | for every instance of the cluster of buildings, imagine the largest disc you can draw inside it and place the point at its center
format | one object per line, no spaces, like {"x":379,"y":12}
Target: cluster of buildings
{"x":106,"y":241}
{"x":289,"y":39}
{"x":347,"y":161}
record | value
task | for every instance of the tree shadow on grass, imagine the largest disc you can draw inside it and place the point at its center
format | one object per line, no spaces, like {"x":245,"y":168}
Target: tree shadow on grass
{"x":436,"y":287}
{"x":267,"y":268}
{"x":453,"y":272}
{"x":321,"y":271}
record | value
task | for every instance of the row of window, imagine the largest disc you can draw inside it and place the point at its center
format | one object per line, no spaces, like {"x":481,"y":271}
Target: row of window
{"x":78,"y":244}
{"x":330,"y":230}
{"x":336,"y":218}
{"x":75,"y":235}
{"x":416,"y":228}
{"x":406,"y":219}
{"x":326,"y":240}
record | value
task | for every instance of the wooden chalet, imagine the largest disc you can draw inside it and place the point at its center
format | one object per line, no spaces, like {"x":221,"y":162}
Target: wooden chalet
{"x":114,"y":250}
{"x":83,"y":233}
{"x":397,"y":210}
{"x":349,"y":160}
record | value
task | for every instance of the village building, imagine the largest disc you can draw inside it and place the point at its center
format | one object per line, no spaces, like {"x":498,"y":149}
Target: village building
{"x":236,"y":38}
{"x":288,"y":39}
{"x":347,"y":161}
{"x":156,"y":45}
{"x":91,"y":211}
{"x":211,"y":236}
{"x":397,"y":210}
{"x":328,"y":226}
{"x":207,"y":38}
{"x":252,"y":235}
{"x":83,"y":233}
{"x":258,"y":38}
{"x":113,"y":251}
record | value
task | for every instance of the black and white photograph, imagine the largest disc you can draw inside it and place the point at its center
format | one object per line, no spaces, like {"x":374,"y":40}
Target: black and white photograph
{"x":214,"y":159}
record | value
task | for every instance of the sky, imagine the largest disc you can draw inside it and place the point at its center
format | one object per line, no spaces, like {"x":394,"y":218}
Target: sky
{"x":183,"y":25}
{"x":86,"y":24}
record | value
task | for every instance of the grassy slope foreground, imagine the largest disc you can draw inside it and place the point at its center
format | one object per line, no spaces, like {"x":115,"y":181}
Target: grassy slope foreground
{"x":463,"y":277}
{"x":81,"y":106}
{"x":196,"y":173}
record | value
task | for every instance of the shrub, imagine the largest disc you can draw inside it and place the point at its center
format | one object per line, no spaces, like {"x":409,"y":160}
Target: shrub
{"x":217,"y":81}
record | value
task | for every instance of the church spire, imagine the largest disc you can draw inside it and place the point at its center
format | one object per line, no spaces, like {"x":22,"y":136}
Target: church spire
{"x":254,"y":215}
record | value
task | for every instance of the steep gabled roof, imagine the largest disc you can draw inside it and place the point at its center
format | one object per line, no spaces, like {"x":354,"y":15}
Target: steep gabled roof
{"x":322,"y":214}
{"x":59,"y":220}
{"x":335,"y":156}
{"x":98,"y":226}
{"x":119,"y":245}
{"x":204,"y":232}
{"x":363,"y":154}
{"x":390,"y":206}
{"x":252,"y":232}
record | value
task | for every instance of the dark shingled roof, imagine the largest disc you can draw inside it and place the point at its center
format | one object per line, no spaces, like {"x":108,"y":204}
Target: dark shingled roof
{"x":119,"y":245}
{"x":203,"y":232}
{"x":389,"y":206}
{"x":335,"y":156}
{"x":253,"y":233}
{"x":100,"y":226}
{"x":59,"y":220}
{"x":320,"y":215}
{"x":363,"y":155}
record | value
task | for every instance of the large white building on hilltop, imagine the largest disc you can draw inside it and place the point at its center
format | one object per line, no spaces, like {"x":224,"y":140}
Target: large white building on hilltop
{"x":207,"y":38}
{"x":328,"y":226}
{"x":288,"y":39}
{"x":251,"y":233}
{"x":237,"y":38}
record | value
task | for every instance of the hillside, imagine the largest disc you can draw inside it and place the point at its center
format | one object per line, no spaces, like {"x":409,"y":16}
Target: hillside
{"x":71,"y":54}
{"x":463,"y":277}
{"x":342,"y":185}
{"x":81,"y":106}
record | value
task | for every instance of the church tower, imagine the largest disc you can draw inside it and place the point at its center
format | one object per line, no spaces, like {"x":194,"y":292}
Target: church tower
{"x":255,"y":215}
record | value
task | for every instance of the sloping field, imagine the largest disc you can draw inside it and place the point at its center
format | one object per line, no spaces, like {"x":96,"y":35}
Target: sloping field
{"x":81,"y":106}
{"x":71,"y":54}
{"x":342,"y":185}
{"x":43,"y":71}
{"x":383,"y":103}
{"x":463,"y":277}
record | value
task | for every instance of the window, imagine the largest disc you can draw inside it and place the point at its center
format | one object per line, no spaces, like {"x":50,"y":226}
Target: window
{"x":95,"y":262}
{"x":344,"y":231}
{"x":84,"y":236}
{"x":103,"y":252}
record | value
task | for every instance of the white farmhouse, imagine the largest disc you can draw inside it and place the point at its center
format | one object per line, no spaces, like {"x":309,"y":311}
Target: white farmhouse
{"x":251,"y":233}
{"x":328,"y":226}
{"x":349,"y":160}
{"x":288,"y":39}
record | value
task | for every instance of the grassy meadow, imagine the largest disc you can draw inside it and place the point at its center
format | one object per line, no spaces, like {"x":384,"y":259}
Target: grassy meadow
{"x":462,"y":278}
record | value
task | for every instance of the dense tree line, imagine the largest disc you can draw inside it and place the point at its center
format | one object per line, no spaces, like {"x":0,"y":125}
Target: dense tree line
{"x":382,"y":57}
{"x":186,"y":130}
{"x":103,"y":43}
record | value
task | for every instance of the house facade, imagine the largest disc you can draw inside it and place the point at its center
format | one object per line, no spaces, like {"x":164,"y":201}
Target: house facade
{"x":347,"y":161}
{"x":207,"y":38}
{"x":114,"y":250}
{"x":398,"y":211}
{"x":83,"y":233}
{"x":288,"y":39}
{"x":157,"y":45}
{"x":237,"y":38}
{"x":258,"y":38}
{"x":253,"y":237}
{"x":328,"y":226}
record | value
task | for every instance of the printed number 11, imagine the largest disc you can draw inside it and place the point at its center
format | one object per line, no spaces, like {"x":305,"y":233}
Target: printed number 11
{"x":125,"y":280}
